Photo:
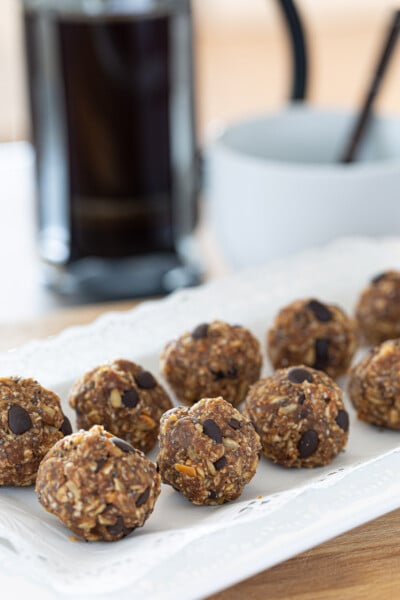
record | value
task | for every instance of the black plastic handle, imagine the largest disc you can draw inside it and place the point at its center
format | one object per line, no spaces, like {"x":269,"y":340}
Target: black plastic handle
{"x":299,"y":49}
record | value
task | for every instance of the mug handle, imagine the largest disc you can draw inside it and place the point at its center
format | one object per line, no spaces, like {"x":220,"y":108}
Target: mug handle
{"x":299,"y":49}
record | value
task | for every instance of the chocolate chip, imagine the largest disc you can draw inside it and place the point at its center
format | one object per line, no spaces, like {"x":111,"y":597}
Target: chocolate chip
{"x":321,"y":353}
{"x":157,"y":468}
{"x":200,"y":332}
{"x":342,"y":420}
{"x":220,"y":463}
{"x":124,"y":446}
{"x":320,"y":311}
{"x":298,"y":375}
{"x":119,"y":527}
{"x":284,"y":402}
{"x":301,"y":399}
{"x":231,"y":373}
{"x":211,"y":429}
{"x":218,"y":375}
{"x":66,"y":427}
{"x":145,"y":380}
{"x":304,"y":413}
{"x":212,"y":495}
{"x":234,"y":423}
{"x":308,"y":443}
{"x":130,"y":398}
{"x":19,"y":420}
{"x":100,"y":463}
{"x":143,"y":498}
{"x":378,"y":278}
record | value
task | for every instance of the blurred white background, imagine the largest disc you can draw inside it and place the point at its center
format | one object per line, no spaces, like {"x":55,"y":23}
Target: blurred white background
{"x":243,"y":67}
{"x":243,"y":59}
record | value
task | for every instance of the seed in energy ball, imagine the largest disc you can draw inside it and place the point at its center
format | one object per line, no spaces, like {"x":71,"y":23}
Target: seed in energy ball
{"x":125,"y":399}
{"x":374,"y":385}
{"x":208,"y":452}
{"x":300,"y":417}
{"x":378,"y":308}
{"x":309,"y":332}
{"x":214,"y":359}
{"x":31,"y":421}
{"x":98,"y":485}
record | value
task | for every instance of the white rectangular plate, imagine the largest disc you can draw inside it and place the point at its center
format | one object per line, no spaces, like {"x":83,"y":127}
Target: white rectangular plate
{"x":186,"y":551}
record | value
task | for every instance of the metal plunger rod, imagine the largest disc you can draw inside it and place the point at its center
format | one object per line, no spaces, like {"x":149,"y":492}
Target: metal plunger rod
{"x":364,"y":116}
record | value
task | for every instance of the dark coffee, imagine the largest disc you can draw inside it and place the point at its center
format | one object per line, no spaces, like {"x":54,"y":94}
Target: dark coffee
{"x":116,"y":77}
{"x":102,"y":93}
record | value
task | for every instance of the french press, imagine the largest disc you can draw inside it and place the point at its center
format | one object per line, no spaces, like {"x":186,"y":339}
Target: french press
{"x":113,"y":125}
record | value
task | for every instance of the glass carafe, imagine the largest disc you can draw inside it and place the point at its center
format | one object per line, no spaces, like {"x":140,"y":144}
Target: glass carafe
{"x":111,"y":95}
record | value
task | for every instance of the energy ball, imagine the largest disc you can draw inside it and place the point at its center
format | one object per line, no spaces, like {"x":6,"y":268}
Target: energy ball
{"x":208,"y":452}
{"x":378,"y":308}
{"x":124,"y":398}
{"x":98,"y":485}
{"x":300,"y":416}
{"x":215,"y":359}
{"x":31,"y":421}
{"x":308,"y":332}
{"x":374,"y":385}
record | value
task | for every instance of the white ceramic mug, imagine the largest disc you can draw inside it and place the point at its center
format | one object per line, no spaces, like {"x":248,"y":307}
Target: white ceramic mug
{"x":275,"y":185}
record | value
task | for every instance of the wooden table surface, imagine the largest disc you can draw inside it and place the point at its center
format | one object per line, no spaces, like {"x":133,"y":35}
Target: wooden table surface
{"x":363,"y":564}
